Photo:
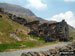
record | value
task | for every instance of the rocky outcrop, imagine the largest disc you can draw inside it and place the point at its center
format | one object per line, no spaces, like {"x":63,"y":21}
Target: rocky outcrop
{"x":13,"y":35}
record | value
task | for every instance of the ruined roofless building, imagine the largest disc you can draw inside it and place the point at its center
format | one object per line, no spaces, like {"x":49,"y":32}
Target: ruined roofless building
{"x":51,"y":32}
{"x":34,"y":24}
{"x":18,"y":19}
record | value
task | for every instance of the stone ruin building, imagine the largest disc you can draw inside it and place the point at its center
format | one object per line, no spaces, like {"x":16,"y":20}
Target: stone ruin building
{"x":32,"y":25}
{"x":51,"y":32}
{"x":18,"y":19}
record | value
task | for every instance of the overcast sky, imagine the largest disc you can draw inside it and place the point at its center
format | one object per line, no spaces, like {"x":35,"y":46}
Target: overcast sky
{"x":49,"y":9}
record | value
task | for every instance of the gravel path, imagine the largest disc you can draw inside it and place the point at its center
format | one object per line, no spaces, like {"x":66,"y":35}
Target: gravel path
{"x":44,"y":48}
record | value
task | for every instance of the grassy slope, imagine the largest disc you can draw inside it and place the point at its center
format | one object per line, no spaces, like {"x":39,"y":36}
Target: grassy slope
{"x":7,"y":43}
{"x":72,"y":32}
{"x":7,"y":26}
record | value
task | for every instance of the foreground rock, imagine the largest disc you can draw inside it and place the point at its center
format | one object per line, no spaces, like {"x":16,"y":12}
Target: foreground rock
{"x":54,"y":52}
{"x":13,"y":35}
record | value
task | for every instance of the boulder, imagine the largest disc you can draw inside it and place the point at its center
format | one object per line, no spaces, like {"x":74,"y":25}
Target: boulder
{"x":13,"y":35}
{"x":24,"y":54}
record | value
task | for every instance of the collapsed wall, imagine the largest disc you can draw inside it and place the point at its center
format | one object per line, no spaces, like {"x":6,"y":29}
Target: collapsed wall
{"x":49,"y":32}
{"x":52,"y":32}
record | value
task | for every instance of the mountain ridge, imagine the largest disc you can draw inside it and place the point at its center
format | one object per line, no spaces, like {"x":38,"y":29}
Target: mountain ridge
{"x":16,"y":9}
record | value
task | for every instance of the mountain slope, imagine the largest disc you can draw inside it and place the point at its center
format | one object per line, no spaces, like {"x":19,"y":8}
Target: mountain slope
{"x":72,"y":32}
{"x":15,"y":9}
{"x":7,"y":26}
{"x":20,"y":11}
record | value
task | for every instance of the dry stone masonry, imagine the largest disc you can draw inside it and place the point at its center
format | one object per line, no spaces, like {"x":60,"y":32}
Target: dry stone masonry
{"x":49,"y":32}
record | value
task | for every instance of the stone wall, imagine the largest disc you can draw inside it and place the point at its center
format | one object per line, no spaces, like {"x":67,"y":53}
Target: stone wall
{"x":52,"y":32}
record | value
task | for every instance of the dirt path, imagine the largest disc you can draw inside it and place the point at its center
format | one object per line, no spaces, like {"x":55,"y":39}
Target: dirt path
{"x":44,"y":48}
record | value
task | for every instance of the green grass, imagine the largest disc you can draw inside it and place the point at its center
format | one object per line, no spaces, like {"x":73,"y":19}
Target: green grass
{"x":25,"y":44}
{"x":37,"y":38}
{"x":17,"y":45}
{"x":72,"y":32}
